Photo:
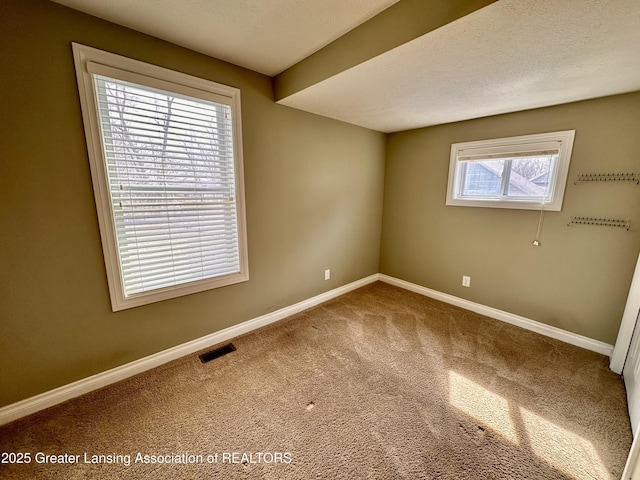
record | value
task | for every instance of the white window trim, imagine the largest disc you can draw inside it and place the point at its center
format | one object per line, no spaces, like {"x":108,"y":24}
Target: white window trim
{"x":559,"y":179}
{"x":84,"y":55}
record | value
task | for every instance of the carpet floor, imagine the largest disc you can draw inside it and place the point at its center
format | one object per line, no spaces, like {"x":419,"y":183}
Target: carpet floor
{"x":380,"y":383}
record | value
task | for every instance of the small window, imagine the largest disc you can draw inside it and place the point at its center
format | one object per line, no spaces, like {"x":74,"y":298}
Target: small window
{"x":528,"y":172}
{"x":166,"y":162}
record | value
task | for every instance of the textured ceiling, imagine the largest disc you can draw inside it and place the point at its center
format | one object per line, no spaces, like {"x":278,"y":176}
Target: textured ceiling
{"x":508,"y":56}
{"x":511,"y":55}
{"x":266,"y":36}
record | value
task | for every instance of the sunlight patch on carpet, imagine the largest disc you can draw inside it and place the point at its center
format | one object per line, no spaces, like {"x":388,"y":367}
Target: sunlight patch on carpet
{"x":483,"y":405}
{"x":563,"y":449}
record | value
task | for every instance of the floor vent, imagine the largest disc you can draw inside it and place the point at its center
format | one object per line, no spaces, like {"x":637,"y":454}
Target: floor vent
{"x":218,"y":352}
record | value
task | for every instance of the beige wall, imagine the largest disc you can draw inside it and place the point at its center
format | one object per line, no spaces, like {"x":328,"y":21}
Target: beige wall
{"x":313,"y":192}
{"x":579,"y":278}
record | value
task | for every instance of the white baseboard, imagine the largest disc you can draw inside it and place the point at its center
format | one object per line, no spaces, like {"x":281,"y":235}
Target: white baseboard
{"x":66,"y":392}
{"x":526,"y":323}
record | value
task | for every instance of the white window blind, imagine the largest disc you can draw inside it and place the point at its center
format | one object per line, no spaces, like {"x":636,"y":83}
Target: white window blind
{"x":169,"y":168}
{"x":509,"y":151}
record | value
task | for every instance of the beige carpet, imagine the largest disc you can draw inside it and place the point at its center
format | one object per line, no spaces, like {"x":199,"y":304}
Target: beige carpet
{"x":380,"y":383}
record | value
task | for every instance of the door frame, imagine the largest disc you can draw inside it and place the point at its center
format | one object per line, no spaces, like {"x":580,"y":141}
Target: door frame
{"x":632,"y":466}
{"x":628,"y":324}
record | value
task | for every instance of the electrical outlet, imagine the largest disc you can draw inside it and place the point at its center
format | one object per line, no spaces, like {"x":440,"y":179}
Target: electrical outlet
{"x":466,"y":281}
{"x":327,"y":274}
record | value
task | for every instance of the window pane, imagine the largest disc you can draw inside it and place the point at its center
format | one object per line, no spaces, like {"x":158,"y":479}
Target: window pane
{"x":530,"y":176}
{"x":517,"y":172}
{"x":482,"y":178}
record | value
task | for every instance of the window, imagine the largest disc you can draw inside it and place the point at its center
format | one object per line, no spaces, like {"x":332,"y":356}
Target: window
{"x":165,"y":152}
{"x":528,"y":172}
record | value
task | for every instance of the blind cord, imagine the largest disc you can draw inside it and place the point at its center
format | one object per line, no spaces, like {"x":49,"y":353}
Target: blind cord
{"x":537,"y":242}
